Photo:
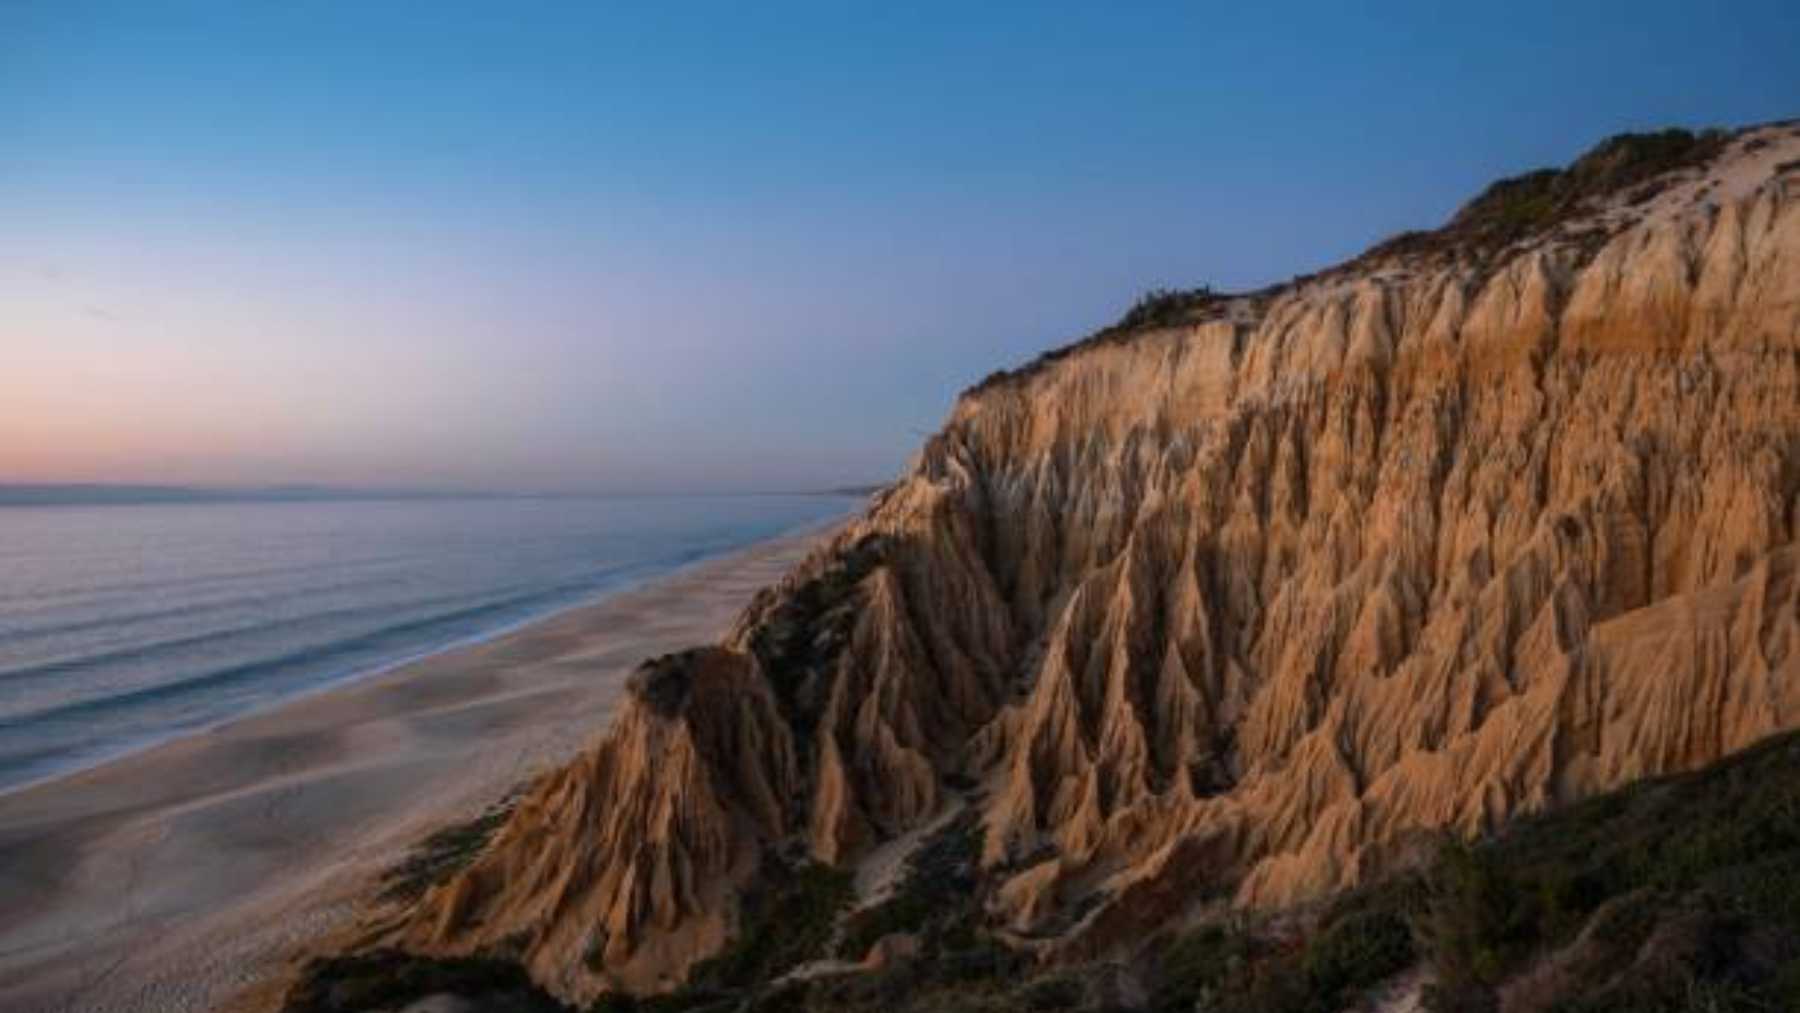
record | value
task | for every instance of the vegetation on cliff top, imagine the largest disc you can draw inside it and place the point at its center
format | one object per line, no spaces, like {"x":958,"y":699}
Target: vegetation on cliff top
{"x":1159,"y":307}
{"x":1508,"y":211}
{"x":1531,"y":204}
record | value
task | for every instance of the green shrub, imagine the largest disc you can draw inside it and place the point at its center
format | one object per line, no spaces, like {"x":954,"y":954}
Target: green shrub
{"x":1512,"y":208}
{"x":1159,"y":307}
{"x":803,"y":633}
{"x":389,"y":979}
{"x":1358,"y":951}
{"x":1474,"y":918}
{"x":1164,"y":307}
{"x":1671,"y":892}
{"x":935,"y":899}
{"x":443,"y":854}
{"x":1047,"y":994}
{"x":1536,"y":202}
{"x":786,"y":922}
{"x":1200,"y":964}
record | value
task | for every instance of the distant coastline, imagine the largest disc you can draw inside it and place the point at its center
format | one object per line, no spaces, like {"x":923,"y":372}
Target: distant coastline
{"x":104,"y":494}
{"x":119,"y":494}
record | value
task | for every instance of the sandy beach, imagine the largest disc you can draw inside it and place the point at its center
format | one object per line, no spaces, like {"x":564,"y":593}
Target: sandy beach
{"x":177,"y":877}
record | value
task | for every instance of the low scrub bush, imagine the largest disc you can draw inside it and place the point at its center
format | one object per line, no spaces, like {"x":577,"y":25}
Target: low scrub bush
{"x":786,"y":922}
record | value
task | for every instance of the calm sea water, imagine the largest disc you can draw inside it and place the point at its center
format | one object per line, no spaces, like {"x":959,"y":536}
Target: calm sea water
{"x":121,"y":626}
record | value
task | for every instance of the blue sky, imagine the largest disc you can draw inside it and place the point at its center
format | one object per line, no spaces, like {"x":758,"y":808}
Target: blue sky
{"x":607,"y":246}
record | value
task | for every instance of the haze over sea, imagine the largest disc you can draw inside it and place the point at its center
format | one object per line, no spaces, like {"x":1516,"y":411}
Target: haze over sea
{"x":125,"y":625}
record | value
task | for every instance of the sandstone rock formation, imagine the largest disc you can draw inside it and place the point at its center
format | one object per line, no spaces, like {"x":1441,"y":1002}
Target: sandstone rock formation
{"x":625,"y":861}
{"x":1236,"y":606}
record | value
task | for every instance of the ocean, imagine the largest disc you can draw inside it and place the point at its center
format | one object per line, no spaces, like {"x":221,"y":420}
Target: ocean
{"x":126,"y":625}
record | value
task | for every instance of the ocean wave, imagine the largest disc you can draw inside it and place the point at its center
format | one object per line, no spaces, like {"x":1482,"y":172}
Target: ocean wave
{"x":343,"y":645}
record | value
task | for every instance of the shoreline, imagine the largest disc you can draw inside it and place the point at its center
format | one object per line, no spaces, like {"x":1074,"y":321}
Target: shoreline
{"x":178,"y":875}
{"x":336,"y":682}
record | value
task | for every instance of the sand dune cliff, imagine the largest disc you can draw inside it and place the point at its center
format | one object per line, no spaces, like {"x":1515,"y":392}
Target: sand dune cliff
{"x":1237,"y":606}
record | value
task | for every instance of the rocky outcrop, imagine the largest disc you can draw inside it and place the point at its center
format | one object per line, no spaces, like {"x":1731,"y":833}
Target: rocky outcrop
{"x":623,"y":866}
{"x":1238,"y":605}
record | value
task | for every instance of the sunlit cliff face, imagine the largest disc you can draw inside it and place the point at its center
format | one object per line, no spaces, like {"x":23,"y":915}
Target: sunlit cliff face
{"x":1243,"y":607}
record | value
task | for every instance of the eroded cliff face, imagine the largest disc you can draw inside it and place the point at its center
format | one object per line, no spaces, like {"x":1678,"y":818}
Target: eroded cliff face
{"x":624,"y":864}
{"x":1239,"y":608}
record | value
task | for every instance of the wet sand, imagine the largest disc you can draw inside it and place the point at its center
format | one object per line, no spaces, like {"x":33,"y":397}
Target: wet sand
{"x":175,"y":878}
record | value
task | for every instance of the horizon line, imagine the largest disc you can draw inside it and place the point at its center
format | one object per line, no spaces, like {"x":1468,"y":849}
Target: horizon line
{"x":16,"y":494}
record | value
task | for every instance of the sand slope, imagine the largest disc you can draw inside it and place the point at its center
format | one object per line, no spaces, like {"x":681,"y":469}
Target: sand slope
{"x":173,"y":878}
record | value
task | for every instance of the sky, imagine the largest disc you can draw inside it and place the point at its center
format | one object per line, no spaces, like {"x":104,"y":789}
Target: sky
{"x":597,"y":246}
